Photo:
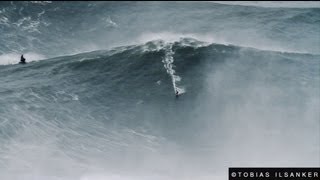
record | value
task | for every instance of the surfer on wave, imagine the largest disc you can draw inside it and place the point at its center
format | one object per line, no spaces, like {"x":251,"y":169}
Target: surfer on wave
{"x":177,"y":94}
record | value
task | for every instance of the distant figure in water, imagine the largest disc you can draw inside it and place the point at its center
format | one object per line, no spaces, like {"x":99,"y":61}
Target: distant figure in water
{"x":22,"y":60}
{"x":177,"y":94}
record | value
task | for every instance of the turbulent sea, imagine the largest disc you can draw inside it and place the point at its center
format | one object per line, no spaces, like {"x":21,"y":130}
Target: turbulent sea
{"x":96,"y":100}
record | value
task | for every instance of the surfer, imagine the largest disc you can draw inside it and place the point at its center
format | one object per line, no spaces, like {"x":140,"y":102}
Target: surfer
{"x":177,"y":94}
{"x":22,"y":60}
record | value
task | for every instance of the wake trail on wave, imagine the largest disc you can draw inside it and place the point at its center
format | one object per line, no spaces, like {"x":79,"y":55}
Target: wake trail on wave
{"x":168,"y":65}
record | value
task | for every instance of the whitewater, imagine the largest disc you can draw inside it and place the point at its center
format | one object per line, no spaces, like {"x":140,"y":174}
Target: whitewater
{"x":96,"y":99}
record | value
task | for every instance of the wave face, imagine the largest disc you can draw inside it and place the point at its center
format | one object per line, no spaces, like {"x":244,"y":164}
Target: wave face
{"x":112,"y":113}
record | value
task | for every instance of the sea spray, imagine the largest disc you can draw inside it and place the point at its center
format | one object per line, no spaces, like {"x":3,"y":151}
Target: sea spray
{"x":168,"y":65}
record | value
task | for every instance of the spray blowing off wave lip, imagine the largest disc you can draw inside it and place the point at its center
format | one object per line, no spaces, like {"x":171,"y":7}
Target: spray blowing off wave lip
{"x":210,"y":38}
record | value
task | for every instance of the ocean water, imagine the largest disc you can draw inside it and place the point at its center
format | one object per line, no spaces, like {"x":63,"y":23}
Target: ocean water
{"x":96,"y":100}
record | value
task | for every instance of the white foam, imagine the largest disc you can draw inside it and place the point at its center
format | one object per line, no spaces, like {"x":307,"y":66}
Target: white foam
{"x":41,"y":2}
{"x":14,"y":58}
{"x":110,"y":23}
{"x":4,"y":20}
{"x":27,"y":24}
{"x":209,"y":38}
{"x":168,"y":65}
